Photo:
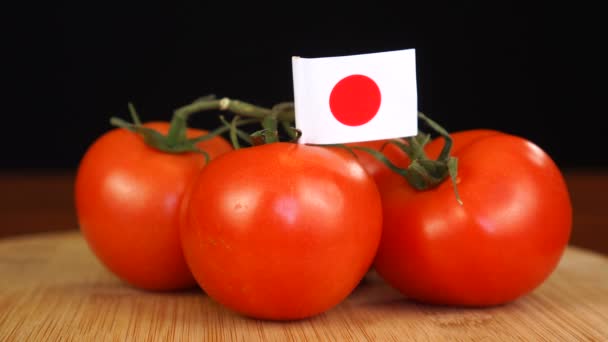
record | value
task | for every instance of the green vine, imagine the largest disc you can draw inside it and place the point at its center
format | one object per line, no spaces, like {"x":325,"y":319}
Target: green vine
{"x":422,"y":173}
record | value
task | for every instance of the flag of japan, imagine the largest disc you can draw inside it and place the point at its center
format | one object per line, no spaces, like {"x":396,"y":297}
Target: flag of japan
{"x":356,"y":98}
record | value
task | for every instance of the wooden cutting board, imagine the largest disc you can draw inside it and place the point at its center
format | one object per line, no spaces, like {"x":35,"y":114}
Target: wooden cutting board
{"x":53,"y":289}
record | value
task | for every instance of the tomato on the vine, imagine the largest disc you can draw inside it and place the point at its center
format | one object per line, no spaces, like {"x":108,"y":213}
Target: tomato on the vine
{"x":127,"y":201}
{"x":502,"y":242}
{"x":281,"y":231}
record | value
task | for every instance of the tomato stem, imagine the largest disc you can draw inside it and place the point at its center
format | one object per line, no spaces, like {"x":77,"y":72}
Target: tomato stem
{"x":293,"y":133}
{"x":235,"y":133}
{"x":269,"y":132}
{"x":415,"y":150}
{"x":283,"y":111}
{"x":176,"y":141}
{"x":134,"y":115}
{"x":451,"y":163}
{"x":447,"y":147}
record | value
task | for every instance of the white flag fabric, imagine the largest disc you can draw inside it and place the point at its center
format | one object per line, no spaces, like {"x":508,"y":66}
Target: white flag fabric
{"x":356,"y":98}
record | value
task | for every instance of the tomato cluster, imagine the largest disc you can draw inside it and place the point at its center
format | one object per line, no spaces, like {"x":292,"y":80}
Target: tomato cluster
{"x":286,"y":231}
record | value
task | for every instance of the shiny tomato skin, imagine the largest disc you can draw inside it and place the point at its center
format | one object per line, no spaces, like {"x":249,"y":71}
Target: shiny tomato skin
{"x":127,"y":201}
{"x":281,"y":231}
{"x":502,"y":243}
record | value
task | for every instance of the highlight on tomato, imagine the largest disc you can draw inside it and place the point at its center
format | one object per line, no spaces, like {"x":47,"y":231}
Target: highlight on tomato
{"x":128,"y":190}
{"x":485,"y":236}
{"x":281,"y":231}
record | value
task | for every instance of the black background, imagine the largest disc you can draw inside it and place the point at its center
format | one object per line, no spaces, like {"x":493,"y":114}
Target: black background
{"x":530,"y":71}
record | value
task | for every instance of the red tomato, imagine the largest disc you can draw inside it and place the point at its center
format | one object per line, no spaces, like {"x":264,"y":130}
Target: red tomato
{"x":127,"y":200}
{"x":503,"y":242}
{"x":281,"y":231}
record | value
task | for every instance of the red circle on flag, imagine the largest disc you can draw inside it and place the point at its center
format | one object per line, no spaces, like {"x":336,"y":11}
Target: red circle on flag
{"x":355,"y":100}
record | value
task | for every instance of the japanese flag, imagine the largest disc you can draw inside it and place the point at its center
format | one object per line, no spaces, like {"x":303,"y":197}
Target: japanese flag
{"x":355,"y":98}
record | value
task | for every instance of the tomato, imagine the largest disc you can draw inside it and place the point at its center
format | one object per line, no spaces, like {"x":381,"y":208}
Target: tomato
{"x":501,"y":243}
{"x":281,"y":231}
{"x":127,"y":201}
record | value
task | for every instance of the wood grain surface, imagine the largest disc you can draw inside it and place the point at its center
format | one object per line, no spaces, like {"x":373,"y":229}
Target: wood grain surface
{"x":53,"y":289}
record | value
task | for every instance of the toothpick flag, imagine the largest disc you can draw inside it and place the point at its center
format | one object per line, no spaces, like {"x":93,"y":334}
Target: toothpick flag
{"x":355,"y":98}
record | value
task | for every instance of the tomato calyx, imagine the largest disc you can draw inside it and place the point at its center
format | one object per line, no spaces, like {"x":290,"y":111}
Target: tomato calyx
{"x":176,"y":140}
{"x":422,"y":173}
